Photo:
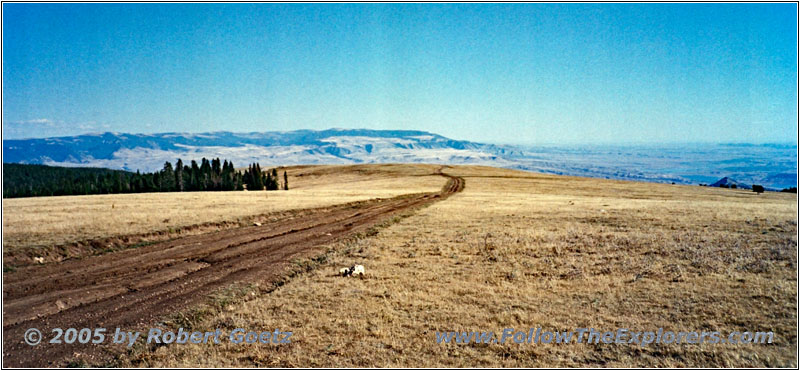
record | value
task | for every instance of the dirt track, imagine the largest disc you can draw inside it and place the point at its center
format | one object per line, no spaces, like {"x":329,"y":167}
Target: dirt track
{"x":138,"y":287}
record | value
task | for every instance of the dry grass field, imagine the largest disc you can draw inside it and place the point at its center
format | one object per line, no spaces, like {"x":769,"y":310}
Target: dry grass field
{"x":32,"y":226}
{"x":526,"y":250}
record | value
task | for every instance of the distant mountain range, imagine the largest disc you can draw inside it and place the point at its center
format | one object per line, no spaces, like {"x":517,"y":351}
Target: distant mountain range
{"x":773,"y":166}
{"x":148,"y":152}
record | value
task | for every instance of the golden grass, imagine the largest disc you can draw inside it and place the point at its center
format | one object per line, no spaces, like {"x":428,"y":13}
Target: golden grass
{"x":47,"y":221}
{"x":524,"y":250}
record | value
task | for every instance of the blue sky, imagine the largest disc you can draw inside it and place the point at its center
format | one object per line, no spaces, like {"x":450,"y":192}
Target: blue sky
{"x":503,"y":73}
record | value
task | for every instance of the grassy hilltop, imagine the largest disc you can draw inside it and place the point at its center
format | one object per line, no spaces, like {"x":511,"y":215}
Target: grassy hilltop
{"x":526,"y":250}
{"x":514,"y":249}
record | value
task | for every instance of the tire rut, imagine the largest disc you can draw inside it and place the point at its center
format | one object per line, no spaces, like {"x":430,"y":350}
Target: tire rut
{"x":138,"y":287}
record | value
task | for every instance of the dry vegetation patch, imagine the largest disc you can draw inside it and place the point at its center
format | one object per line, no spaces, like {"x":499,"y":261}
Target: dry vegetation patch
{"x":43,"y":222}
{"x":525,"y":250}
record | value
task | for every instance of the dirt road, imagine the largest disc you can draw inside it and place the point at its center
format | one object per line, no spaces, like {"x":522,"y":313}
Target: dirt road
{"x":138,"y":287}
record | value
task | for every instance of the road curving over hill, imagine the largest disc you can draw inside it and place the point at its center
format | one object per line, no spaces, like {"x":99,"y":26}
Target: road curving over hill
{"x":136,"y":288}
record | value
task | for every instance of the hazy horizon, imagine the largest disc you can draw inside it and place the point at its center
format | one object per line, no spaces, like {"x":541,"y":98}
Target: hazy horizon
{"x":563,"y":144}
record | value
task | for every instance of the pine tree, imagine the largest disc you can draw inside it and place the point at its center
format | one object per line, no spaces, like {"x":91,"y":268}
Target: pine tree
{"x":179,"y":186}
{"x":120,"y":184}
{"x":285,"y":181}
{"x":247,"y":177}
{"x":258,"y":177}
{"x":238,"y":181}
{"x":194,"y":178}
{"x":167,"y":178}
{"x":227,"y":183}
{"x":204,"y":180}
{"x":155,"y":182}
{"x":215,"y":166}
{"x":193,"y":181}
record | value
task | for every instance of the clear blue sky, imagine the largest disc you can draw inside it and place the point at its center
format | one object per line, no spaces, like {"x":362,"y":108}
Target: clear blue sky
{"x":503,"y":73}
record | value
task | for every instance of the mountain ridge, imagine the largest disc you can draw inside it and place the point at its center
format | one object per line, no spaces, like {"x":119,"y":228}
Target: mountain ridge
{"x":682,"y":164}
{"x":139,"y":151}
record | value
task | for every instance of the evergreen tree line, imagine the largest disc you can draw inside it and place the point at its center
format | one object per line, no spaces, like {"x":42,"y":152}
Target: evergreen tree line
{"x":21,"y":180}
{"x":255,"y":179}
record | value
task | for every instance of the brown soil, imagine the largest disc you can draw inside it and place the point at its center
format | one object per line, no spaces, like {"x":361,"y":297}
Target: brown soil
{"x":136,"y":287}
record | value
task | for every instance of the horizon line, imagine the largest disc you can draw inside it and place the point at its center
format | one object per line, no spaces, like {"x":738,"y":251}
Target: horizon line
{"x":529,"y":143}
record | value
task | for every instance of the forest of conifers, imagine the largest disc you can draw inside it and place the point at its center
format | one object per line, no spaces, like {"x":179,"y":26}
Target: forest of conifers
{"x":22,"y":180}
